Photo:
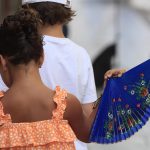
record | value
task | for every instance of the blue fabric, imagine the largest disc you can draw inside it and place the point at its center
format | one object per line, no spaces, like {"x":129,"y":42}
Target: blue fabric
{"x":124,"y":107}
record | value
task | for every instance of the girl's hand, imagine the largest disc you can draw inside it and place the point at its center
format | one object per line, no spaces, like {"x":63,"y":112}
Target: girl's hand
{"x":114,"y":73}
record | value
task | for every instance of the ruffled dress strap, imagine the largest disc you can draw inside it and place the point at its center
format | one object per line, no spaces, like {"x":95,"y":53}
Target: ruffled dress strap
{"x":1,"y":106}
{"x":60,"y":100}
{"x":3,"y":118}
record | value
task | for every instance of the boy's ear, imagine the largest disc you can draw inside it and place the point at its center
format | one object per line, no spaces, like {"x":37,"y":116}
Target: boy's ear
{"x":3,"y":63}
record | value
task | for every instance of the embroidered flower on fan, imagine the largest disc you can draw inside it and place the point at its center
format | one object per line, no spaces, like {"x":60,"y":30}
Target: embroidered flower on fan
{"x":147,"y":102}
{"x":114,"y":100}
{"x":144,"y":92}
{"x":129,"y":111}
{"x":143,"y":82}
{"x":139,"y":122}
{"x":119,"y":99}
{"x":140,"y":89}
{"x":127,"y":106}
{"x":138,"y":105}
{"x":118,"y":113}
{"x":108,"y":135}
{"x":129,"y":121}
{"x":110,"y":126}
{"x":125,"y":87}
{"x":142,"y":74}
{"x":123,"y":112}
{"x":121,"y":127}
{"x":132,"y":92}
{"x":110,"y":115}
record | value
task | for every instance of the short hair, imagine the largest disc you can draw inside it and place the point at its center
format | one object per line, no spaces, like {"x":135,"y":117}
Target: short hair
{"x":52,"y":13}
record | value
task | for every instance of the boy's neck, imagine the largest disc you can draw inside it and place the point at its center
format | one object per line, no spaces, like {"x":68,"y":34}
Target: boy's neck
{"x":55,"y":30}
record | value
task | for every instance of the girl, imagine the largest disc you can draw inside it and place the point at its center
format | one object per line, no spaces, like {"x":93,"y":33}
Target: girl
{"x":31,"y":115}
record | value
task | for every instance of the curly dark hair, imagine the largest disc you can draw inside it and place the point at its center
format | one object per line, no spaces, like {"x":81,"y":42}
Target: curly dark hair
{"x":20,"y":40}
{"x":52,"y":13}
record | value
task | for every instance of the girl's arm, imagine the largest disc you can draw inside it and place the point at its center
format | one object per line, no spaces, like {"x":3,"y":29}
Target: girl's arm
{"x":79,"y":122}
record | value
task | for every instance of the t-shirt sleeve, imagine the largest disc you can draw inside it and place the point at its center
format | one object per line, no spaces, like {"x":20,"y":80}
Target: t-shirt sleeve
{"x":88,"y":89}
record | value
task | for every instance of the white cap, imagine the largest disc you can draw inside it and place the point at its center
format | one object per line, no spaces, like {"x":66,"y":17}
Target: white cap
{"x":65,"y":2}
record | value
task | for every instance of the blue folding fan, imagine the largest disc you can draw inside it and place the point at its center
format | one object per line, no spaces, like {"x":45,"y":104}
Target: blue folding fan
{"x":124,"y":107}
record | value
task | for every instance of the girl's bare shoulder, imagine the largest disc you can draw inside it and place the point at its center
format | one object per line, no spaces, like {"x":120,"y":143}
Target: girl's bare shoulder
{"x":73,"y":109}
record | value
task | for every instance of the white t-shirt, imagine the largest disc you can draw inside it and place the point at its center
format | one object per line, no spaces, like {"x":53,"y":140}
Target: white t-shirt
{"x":68,"y":65}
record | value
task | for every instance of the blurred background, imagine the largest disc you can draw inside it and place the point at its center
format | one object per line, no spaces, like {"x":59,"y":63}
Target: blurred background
{"x":116,"y":33}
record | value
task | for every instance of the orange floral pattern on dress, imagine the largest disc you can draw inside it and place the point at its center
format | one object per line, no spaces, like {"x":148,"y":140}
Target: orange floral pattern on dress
{"x":54,"y":134}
